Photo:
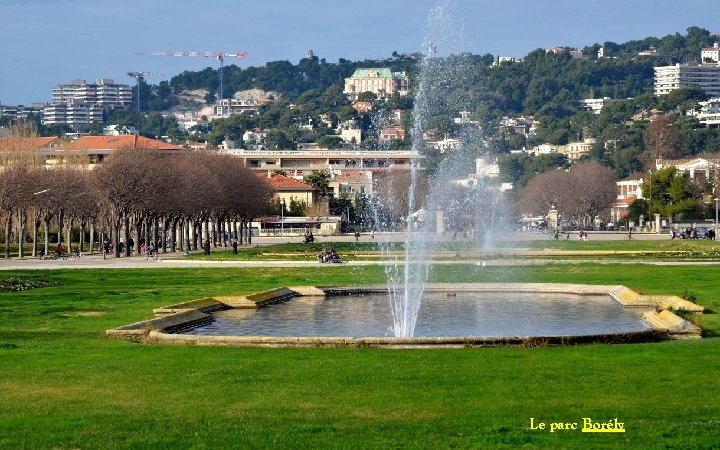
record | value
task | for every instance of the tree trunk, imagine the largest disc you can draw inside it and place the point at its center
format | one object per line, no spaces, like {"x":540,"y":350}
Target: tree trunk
{"x":68,"y":230}
{"x":115,"y":238}
{"x":139,"y":224}
{"x":36,"y":231}
{"x":126,"y":234}
{"x":60,"y":218}
{"x":21,"y":232}
{"x":165,"y":223}
{"x":92,"y":238}
{"x":46,"y":227}
{"x":173,"y":235}
{"x":8,"y":225}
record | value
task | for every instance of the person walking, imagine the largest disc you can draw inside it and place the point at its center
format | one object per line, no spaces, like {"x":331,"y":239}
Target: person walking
{"x":206,"y":246}
{"x":234,"y":246}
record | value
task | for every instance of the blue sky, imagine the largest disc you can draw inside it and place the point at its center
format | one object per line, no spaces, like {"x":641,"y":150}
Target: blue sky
{"x":48,"y":42}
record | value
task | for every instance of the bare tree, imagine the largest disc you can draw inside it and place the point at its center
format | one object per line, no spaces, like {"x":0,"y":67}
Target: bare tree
{"x":662,"y":137}
{"x":121,"y":181}
{"x":393,"y":190}
{"x":545,"y":191}
{"x":592,"y":190}
{"x":579,"y":194}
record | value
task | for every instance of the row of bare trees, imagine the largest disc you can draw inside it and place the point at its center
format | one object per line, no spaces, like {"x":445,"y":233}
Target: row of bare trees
{"x":579,"y":194}
{"x":152,"y":196}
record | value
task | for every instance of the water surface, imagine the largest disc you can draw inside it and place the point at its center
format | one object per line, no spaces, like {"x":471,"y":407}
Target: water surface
{"x":461,"y":314}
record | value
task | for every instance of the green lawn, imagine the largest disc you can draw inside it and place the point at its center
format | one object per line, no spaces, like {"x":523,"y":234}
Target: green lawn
{"x":64,"y":385}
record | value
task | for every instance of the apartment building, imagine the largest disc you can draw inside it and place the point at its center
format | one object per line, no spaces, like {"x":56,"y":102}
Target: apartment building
{"x":79,"y":103}
{"x":709,"y":113}
{"x":307,"y":160}
{"x":670,"y":78}
{"x":104,"y":92}
{"x":382,"y":82}
{"x":76,"y":114}
{"x":20,"y":112}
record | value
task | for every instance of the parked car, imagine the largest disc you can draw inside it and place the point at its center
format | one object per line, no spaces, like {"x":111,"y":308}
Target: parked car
{"x":701,"y":232}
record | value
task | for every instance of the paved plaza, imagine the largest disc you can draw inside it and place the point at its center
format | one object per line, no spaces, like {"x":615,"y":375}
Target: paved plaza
{"x":178,"y":260}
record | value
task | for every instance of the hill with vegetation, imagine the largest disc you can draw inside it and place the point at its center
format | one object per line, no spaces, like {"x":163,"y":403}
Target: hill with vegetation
{"x":546,"y":85}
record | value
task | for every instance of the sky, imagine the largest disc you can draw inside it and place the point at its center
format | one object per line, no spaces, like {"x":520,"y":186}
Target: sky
{"x":49,"y":42}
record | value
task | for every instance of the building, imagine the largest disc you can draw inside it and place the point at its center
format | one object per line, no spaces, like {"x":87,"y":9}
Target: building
{"x":629,"y":190}
{"x":445,"y":144}
{"x":465,"y":119}
{"x":381,"y":82}
{"x":254,"y":139}
{"x":709,"y":113}
{"x":351,"y":183}
{"x":362,"y":106}
{"x":75,"y":113}
{"x":573,"y":150}
{"x":544,"y":149}
{"x":576,"y":150}
{"x":526,"y":126}
{"x":288,"y":189}
{"x":79,"y":103}
{"x":104,"y":92}
{"x":351,"y":135}
{"x":306,"y":161}
{"x":21,"y":112}
{"x":573,"y":52}
{"x":229,"y":106}
{"x":699,"y":169}
{"x":670,"y":78}
{"x":503,"y":59}
{"x":390,"y":134}
{"x":117,"y":130}
{"x":593,"y":105}
{"x":92,"y":150}
{"x":711,"y":54}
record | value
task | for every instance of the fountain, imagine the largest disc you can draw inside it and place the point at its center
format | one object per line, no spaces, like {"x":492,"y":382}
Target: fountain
{"x":443,"y":211}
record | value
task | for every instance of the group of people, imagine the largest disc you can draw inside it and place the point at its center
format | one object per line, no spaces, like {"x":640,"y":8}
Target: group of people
{"x":329,"y":256}
{"x":692,"y":233}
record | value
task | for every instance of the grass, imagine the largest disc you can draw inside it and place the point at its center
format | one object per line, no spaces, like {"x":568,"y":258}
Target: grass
{"x":64,"y":385}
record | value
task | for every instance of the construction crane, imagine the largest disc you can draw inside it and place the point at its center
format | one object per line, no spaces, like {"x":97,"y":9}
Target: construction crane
{"x":220,"y":56}
{"x":139,"y":76}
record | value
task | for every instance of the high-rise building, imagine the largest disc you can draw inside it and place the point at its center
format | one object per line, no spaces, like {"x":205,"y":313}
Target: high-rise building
{"x":104,"y":92}
{"x":79,"y":103}
{"x":76,"y":114}
{"x":670,"y":78}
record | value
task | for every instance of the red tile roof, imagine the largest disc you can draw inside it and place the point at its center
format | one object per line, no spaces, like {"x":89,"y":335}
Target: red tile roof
{"x":7,"y":143}
{"x":93,"y":143}
{"x":279,"y":182}
{"x":350,"y":176}
{"x":119,"y":142}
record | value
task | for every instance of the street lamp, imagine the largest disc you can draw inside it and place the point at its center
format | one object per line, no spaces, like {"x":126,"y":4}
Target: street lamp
{"x":716,"y":214}
{"x":650,"y":214}
{"x":282,"y":217}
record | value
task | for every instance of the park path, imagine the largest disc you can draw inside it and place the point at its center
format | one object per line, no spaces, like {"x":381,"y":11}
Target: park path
{"x":510,"y":257}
